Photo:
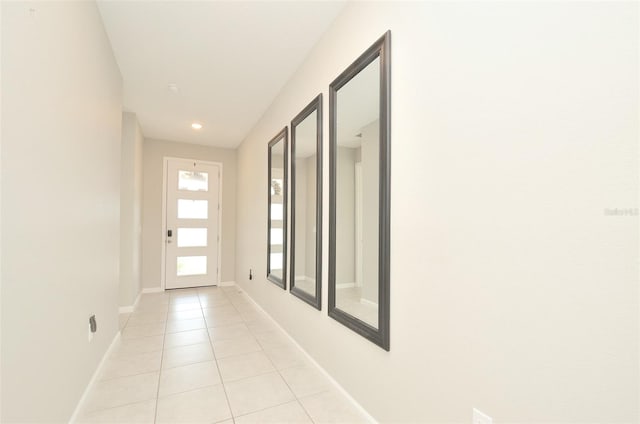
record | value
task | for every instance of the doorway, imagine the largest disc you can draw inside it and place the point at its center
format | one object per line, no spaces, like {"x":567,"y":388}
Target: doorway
{"x":191,"y":223}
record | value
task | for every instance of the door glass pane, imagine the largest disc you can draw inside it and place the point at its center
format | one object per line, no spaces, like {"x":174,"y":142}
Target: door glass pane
{"x":193,"y":181}
{"x":192,"y":237}
{"x":276,"y":264}
{"x":191,"y":265}
{"x":276,"y":211}
{"x":193,"y":209}
{"x":276,"y":236}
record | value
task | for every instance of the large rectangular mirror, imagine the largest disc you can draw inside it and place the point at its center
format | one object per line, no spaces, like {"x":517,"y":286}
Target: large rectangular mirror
{"x":277,"y":210}
{"x":306,"y":204}
{"x":359,"y":163}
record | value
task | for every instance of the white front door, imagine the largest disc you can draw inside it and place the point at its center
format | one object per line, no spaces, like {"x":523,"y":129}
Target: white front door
{"x":192,"y":213}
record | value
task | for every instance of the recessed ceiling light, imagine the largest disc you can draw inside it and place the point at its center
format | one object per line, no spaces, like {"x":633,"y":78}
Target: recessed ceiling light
{"x":196,"y":126}
{"x":173,"y":87}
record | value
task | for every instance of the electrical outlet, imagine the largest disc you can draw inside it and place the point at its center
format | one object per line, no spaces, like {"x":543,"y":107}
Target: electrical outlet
{"x":481,"y":418}
{"x":93,"y":327}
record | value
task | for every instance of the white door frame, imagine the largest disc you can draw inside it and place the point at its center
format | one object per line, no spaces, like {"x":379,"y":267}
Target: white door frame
{"x":358,"y":222}
{"x":165,"y":176}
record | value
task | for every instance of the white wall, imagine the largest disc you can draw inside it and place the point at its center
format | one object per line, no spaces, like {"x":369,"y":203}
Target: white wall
{"x":61,"y":105}
{"x":130,"y":209}
{"x":310,"y":218}
{"x":514,"y":125}
{"x":345,"y":216}
{"x":370,"y":160}
{"x":302,"y":201}
{"x":1,"y":133}
{"x":154,"y":152}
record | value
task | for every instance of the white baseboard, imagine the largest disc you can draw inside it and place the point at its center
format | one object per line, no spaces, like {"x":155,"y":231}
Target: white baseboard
{"x":324,"y":372}
{"x":369,"y":303}
{"x":153,"y":290}
{"x":130,"y":308}
{"x":305,"y":278}
{"x":135,"y":304}
{"x":93,"y":380}
{"x":226,"y":283}
{"x":345,"y":285}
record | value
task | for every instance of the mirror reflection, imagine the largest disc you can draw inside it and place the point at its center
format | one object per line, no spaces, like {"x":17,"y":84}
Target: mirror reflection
{"x":357,"y":168}
{"x":306,"y":203}
{"x":277,"y":235}
{"x":305,"y":206}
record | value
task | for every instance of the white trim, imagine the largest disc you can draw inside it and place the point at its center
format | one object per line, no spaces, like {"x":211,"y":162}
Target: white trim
{"x":368,"y":302}
{"x":94,"y":379}
{"x":163,"y":253}
{"x":219,"y":277}
{"x":345,"y":285}
{"x":358,"y":221}
{"x":135,"y":304}
{"x":153,"y":290}
{"x":226,"y":283}
{"x":165,"y":176}
{"x":305,"y":279}
{"x":130,"y":308}
{"x":337,"y":385}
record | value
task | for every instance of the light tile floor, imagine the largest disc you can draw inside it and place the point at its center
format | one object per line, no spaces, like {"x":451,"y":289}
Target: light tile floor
{"x":209,"y":356}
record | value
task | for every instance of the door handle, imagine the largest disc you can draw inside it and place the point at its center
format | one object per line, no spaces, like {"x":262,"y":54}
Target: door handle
{"x":169,"y":234}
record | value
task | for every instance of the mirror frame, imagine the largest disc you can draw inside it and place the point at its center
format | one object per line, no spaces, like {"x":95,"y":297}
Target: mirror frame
{"x":280,"y":282}
{"x":315,"y":301}
{"x":380,"y":336}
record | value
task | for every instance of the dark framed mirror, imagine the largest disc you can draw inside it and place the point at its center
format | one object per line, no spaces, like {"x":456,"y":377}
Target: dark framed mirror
{"x":305,"y":265}
{"x":277,"y":210}
{"x":359,"y":166}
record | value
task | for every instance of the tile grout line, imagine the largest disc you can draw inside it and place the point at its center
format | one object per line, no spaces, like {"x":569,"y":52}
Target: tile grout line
{"x":209,"y":337}
{"x":278,"y":370}
{"x":110,"y":357}
{"x":97,"y":411}
{"x":162,"y":349}
{"x":297,"y":399}
{"x":313,"y":363}
{"x":224,"y":388}
{"x":164,"y":338}
{"x":269,"y":407}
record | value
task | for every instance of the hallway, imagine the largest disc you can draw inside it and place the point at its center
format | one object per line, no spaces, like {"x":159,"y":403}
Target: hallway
{"x":405,"y":212}
{"x":209,"y":355}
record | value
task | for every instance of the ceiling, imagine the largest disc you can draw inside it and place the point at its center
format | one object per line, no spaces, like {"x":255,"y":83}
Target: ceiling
{"x":228,"y":59}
